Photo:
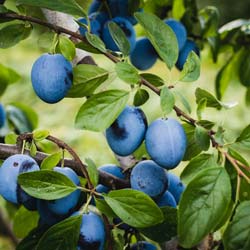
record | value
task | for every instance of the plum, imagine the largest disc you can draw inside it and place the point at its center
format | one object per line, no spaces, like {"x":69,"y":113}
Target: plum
{"x":167,"y":199}
{"x":143,"y":245}
{"x":95,"y":26}
{"x":2,"y":115}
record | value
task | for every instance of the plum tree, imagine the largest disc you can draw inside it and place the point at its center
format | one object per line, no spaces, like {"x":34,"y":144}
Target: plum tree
{"x":127,"y":132}
{"x":166,"y":142}
{"x":51,"y":77}
{"x":149,"y":178}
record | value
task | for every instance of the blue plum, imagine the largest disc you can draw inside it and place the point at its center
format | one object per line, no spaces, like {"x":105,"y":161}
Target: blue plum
{"x":179,"y":30}
{"x":95,"y":6}
{"x":143,"y":245}
{"x":166,"y":142}
{"x":175,"y":186}
{"x":95,"y":26}
{"x":167,"y":199}
{"x":128,"y":29}
{"x":67,"y":204}
{"x":144,"y":55}
{"x":92,"y":232}
{"x":9,"y":171}
{"x":51,"y":77}
{"x":183,"y":54}
{"x":150,"y":178}
{"x":127,"y":132}
{"x":2,"y":115}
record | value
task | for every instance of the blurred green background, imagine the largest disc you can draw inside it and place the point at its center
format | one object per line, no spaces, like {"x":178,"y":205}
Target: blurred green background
{"x":59,"y":118}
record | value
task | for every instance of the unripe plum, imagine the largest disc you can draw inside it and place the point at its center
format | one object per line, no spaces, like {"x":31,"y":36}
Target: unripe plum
{"x":150,"y":178}
{"x":127,"y":132}
{"x":166,"y":142}
{"x":51,"y":77}
{"x":144,"y":55}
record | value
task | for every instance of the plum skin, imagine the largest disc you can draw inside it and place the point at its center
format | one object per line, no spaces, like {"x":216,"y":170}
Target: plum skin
{"x":51,"y":77}
{"x":150,"y":178}
{"x":167,"y":199}
{"x":9,"y":171}
{"x":127,"y":132}
{"x":2,"y":115}
{"x":143,"y":245}
{"x":166,"y":142}
{"x":144,"y":55}
{"x":128,"y":29}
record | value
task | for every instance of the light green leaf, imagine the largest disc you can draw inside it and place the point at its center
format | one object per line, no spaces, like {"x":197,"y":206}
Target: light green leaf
{"x":202,"y":205}
{"x":127,"y":73}
{"x":153,"y":79}
{"x":69,"y":6}
{"x":178,"y":9}
{"x":93,"y":172}
{"x":66,"y":47}
{"x":184,"y":101}
{"x":202,"y":138}
{"x":40,"y":135}
{"x":33,"y":149}
{"x":96,"y":42}
{"x":10,"y":138}
{"x":167,"y":100}
{"x":87,"y":78}
{"x":101,"y":110}
{"x":134,"y":208}
{"x":51,"y":161}
{"x":47,"y":185}
{"x":161,"y":36}
{"x":191,"y":69}
{"x":244,"y":139}
{"x":202,"y":104}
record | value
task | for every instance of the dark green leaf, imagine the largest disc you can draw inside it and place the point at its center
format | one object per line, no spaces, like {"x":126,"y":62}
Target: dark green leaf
{"x":118,"y":239}
{"x":166,"y":230}
{"x":69,"y":6}
{"x":191,"y":69}
{"x":3,"y":9}
{"x":134,"y":208}
{"x":40,"y":135}
{"x":244,"y":69}
{"x":101,"y":110}
{"x":10,"y":138}
{"x":66,"y":47}
{"x":127,"y":73}
{"x":24,"y":222}
{"x":211,"y":100}
{"x":93,"y":172}
{"x":119,"y":38}
{"x":87,"y":78}
{"x":63,"y":235}
{"x":202,"y":104}
{"x":87,"y":47}
{"x":244,"y":139}
{"x":161,"y":36}
{"x":12,"y":34}
{"x":203,"y":203}
{"x":141,"y":97}
{"x":196,"y":165}
{"x":237,"y":234}
{"x":51,"y":161}
{"x":167,"y":100}
{"x":206,"y":124}
{"x":104,"y":208}
{"x":192,"y":148}
{"x":202,"y":138}
{"x":47,"y":185}
{"x":247,"y":97}
{"x":153,"y":79}
{"x":96,"y":42}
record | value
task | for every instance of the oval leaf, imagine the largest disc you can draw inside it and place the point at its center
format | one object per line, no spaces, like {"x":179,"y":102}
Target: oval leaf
{"x":167,"y":100}
{"x":51,"y":161}
{"x":141,"y":97}
{"x":127,"y":73}
{"x":202,"y":205}
{"x":66,"y":47}
{"x":202,"y":138}
{"x":100,"y":111}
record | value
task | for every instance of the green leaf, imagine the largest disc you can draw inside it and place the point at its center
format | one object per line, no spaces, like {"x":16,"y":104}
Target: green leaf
{"x":211,"y":100}
{"x":192,"y":148}
{"x":202,"y":138}
{"x":196,"y":165}
{"x":244,"y":139}
{"x":96,"y":42}
{"x":45,"y":40}
{"x":206,"y":124}
{"x":40,"y":135}
{"x":119,"y":38}
{"x":69,"y":6}
{"x":93,"y":172}
{"x":12,"y":34}
{"x":63,"y":235}
{"x":118,"y":241}
{"x":47,"y":185}
{"x":178,"y":9}
{"x":184,"y":101}
{"x":8,"y":75}
{"x":237,"y":234}
{"x":161,"y":36}
{"x":134,"y":208}
{"x":10,"y":138}
{"x":166,"y":230}
{"x":66,"y":47}
{"x":153,"y":79}
{"x":244,"y":69}
{"x":203,"y":203}
{"x":247,"y":97}
{"x":191,"y":69}
{"x":88,"y":47}
{"x":33,"y":149}
{"x":51,"y":161}
{"x":101,"y":110}
{"x":87,"y":78}
{"x":202,"y":104}
{"x":3,"y":9}
{"x":127,"y":73}
{"x":167,"y":100}
{"x":141,"y":97}
{"x":24,"y":221}
{"x":104,"y":208}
